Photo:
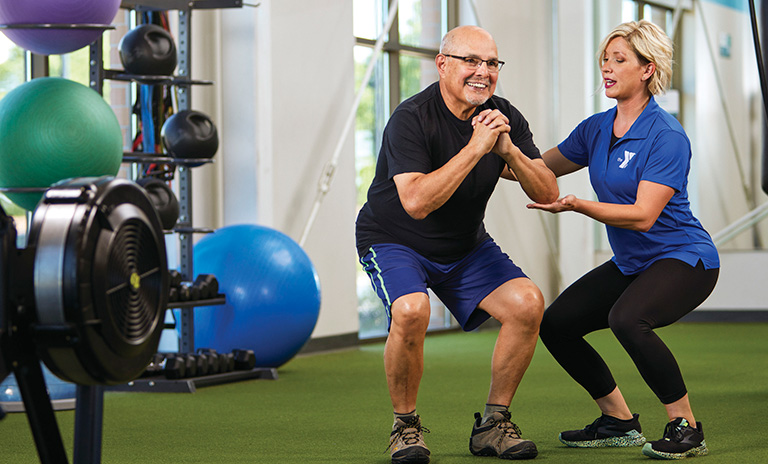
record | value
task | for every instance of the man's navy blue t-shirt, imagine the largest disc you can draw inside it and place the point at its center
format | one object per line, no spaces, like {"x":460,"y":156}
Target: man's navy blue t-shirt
{"x":421,"y":136}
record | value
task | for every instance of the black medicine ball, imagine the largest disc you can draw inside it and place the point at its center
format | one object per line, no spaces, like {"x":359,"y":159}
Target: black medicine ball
{"x":190,"y":134}
{"x":148,"y":50}
{"x":163,"y":199}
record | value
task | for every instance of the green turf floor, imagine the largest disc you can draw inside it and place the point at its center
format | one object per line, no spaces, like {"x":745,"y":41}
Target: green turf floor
{"x":334,"y":407}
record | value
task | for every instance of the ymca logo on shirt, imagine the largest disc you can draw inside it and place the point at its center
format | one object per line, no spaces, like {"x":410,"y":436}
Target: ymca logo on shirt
{"x":628,"y":155}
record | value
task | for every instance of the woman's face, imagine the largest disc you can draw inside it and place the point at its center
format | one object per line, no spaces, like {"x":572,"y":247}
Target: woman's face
{"x":624,"y":76}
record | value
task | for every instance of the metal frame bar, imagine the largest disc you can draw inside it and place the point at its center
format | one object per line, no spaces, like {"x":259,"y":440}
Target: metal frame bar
{"x":187,"y":322}
{"x":740,"y":225}
{"x":164,"y":5}
{"x":35,"y":66}
{"x":37,"y":404}
{"x":96,"y":70}
{"x":89,"y":424}
{"x":398,"y":47}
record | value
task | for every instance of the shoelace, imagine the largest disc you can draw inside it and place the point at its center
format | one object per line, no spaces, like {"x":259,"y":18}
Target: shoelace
{"x":409,"y":433}
{"x":508,"y":427}
{"x":594,"y":425}
{"x":673,"y":432}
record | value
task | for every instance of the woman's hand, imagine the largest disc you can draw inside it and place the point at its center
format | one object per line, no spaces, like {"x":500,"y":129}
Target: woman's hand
{"x":567,"y":203}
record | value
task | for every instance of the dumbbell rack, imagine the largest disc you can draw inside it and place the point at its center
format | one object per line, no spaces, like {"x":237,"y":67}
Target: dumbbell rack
{"x":184,"y":227}
{"x":160,"y":384}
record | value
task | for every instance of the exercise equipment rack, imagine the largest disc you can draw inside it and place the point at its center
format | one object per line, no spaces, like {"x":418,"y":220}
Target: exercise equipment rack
{"x":184,"y":227}
{"x":89,"y":401}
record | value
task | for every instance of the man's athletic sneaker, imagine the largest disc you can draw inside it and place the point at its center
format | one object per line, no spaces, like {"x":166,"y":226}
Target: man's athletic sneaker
{"x":406,"y":443}
{"x":500,"y":437}
{"x":680,"y":441}
{"x":606,"y":431}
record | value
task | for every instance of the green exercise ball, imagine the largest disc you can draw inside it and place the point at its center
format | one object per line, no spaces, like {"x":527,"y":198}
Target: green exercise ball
{"x":53,"y":129}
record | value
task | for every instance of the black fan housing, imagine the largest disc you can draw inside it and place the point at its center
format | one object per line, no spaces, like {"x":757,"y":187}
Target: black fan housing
{"x":100,"y":280}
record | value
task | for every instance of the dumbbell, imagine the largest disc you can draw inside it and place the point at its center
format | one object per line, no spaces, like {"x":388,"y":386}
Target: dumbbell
{"x":175,"y":278}
{"x":188,"y":292}
{"x":174,"y":367}
{"x":227,"y":360}
{"x":154,"y":366}
{"x":183,"y":293}
{"x":198,"y":364}
{"x":190,"y":363}
{"x":208,"y":285}
{"x":173,"y":294}
{"x":202,"y":364}
{"x":245,"y":360}
{"x":214,"y":361}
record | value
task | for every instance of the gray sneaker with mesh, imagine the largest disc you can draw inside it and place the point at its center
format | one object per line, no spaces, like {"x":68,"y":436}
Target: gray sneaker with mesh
{"x":500,"y":437}
{"x":406,"y":443}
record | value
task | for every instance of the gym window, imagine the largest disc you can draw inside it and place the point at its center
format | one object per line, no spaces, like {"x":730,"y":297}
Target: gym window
{"x":635,"y":10}
{"x":405,"y":67}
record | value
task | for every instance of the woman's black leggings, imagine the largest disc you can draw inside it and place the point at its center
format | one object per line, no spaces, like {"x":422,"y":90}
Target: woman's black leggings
{"x":632,"y":306}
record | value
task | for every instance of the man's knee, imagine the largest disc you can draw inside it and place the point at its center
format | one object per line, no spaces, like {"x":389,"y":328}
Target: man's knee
{"x":520,"y":302}
{"x":530,"y":308}
{"x":411,"y":312}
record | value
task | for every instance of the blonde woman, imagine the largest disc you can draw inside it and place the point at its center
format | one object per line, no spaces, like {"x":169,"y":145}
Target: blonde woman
{"x":664,"y":265}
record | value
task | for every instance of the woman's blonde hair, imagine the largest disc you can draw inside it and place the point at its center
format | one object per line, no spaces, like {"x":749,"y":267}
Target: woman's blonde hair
{"x":651,"y":45}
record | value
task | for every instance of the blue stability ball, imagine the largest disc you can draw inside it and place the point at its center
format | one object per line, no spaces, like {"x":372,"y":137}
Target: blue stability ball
{"x":272,"y":292}
{"x":57,"y":388}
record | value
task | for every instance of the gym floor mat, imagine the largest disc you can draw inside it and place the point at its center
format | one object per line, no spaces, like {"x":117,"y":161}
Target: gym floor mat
{"x":334,"y":407}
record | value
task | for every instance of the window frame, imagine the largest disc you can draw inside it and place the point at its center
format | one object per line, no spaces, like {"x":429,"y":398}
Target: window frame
{"x":392,"y":51}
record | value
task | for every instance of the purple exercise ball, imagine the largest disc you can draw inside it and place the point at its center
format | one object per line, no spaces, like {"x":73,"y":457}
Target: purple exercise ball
{"x":50,"y":41}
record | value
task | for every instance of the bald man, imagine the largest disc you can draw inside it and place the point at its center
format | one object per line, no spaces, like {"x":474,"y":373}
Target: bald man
{"x":442,"y":154}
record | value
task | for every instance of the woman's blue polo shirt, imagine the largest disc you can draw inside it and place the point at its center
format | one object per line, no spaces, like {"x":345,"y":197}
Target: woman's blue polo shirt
{"x":655,"y":149}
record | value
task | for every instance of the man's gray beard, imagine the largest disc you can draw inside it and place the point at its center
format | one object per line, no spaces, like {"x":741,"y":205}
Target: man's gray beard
{"x":476,"y":102}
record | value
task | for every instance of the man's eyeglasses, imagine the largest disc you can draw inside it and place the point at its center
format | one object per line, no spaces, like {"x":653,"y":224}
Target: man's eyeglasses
{"x":493,"y":66}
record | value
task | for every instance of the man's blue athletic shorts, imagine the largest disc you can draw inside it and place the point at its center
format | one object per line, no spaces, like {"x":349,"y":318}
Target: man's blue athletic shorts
{"x":396,"y":270}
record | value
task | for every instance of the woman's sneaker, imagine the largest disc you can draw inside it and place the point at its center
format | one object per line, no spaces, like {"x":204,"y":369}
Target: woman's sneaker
{"x":406,"y":442}
{"x":680,"y":441}
{"x":606,"y":431}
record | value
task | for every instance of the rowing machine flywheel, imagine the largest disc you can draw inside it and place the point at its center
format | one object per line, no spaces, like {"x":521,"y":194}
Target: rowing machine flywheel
{"x":100,"y":280}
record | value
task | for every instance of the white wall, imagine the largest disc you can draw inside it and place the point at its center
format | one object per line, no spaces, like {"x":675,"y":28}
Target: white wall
{"x":283,"y":88}
{"x":724,"y":122}
{"x":723,"y":130}
{"x":741,"y":284}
